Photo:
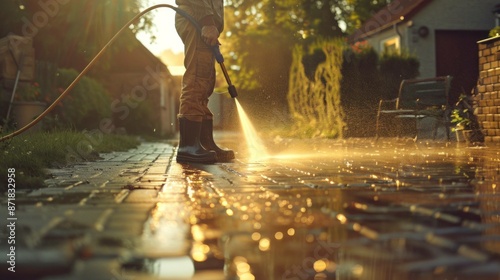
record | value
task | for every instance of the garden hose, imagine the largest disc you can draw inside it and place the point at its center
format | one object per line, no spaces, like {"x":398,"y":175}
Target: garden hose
{"x":217,"y":54}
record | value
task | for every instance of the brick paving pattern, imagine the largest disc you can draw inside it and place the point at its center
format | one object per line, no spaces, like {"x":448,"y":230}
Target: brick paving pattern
{"x":317,"y":209}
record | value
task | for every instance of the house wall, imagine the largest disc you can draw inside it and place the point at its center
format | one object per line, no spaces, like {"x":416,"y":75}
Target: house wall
{"x":447,"y":15}
{"x":488,"y":91}
{"x":169,"y":96}
{"x":437,"y":15}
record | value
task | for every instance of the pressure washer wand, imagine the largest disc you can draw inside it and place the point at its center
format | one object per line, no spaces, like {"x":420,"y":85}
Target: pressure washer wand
{"x":220,"y":59}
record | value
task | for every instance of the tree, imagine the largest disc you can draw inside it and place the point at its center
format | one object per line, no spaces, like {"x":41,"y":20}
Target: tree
{"x":65,"y":31}
{"x":260,"y":35}
{"x":11,"y":17}
{"x":258,"y":40}
{"x":322,"y":18}
{"x":361,"y":10}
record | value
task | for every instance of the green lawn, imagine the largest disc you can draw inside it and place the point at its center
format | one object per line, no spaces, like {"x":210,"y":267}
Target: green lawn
{"x":30,"y":154}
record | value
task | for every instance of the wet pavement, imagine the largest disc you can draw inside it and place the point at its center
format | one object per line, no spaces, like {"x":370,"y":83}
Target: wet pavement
{"x":314,"y":209}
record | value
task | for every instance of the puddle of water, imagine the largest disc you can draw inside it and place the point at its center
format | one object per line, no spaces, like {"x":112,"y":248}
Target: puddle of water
{"x":386,"y":212}
{"x":178,"y":268}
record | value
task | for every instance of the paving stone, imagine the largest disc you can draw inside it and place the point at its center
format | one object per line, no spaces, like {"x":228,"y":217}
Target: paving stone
{"x":394,"y":209}
{"x":141,"y":195}
{"x":34,"y":263}
{"x":104,"y":268}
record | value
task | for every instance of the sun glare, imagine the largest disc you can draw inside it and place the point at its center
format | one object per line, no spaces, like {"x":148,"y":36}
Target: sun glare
{"x":163,"y":31}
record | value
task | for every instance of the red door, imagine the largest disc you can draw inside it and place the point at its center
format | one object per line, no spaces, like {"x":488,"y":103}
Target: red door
{"x":457,"y":55}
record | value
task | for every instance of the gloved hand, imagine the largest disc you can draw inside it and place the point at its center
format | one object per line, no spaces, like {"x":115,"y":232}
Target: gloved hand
{"x":210,"y":34}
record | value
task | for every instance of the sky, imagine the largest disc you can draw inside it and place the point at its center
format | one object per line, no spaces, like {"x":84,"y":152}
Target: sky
{"x":163,"y":29}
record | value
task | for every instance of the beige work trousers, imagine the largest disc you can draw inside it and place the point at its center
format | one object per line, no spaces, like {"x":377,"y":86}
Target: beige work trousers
{"x":198,"y":81}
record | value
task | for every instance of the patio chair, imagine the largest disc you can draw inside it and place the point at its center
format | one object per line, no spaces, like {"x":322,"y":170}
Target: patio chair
{"x":418,"y":99}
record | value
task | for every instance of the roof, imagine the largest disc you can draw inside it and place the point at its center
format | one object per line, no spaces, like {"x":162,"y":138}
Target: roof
{"x":136,"y":57}
{"x":394,"y":13}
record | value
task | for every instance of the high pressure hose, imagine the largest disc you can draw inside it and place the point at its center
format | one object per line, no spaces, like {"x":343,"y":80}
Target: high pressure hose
{"x":215,"y":49}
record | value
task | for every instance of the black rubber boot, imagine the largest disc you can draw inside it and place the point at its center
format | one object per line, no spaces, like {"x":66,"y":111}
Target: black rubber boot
{"x":190,"y":150}
{"x":207,"y":141}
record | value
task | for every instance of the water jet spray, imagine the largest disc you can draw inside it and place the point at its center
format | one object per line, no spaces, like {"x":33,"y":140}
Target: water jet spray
{"x":256,"y":149}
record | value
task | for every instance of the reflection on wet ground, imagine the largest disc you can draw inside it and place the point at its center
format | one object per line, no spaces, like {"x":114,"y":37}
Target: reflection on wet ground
{"x":339,"y":210}
{"x":311,"y":209}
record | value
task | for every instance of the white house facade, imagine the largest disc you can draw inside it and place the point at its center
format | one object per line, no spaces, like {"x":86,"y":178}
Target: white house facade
{"x":442,"y":34}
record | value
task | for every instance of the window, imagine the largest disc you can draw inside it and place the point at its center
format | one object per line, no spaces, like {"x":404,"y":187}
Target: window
{"x":391,"y":45}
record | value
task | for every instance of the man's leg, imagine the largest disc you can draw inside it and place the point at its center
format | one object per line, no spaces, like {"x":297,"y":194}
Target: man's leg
{"x":196,"y":82}
{"x":207,"y":127}
{"x":207,"y":141}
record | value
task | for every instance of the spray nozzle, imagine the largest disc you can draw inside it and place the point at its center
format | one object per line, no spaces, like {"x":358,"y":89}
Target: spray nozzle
{"x":232,"y":91}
